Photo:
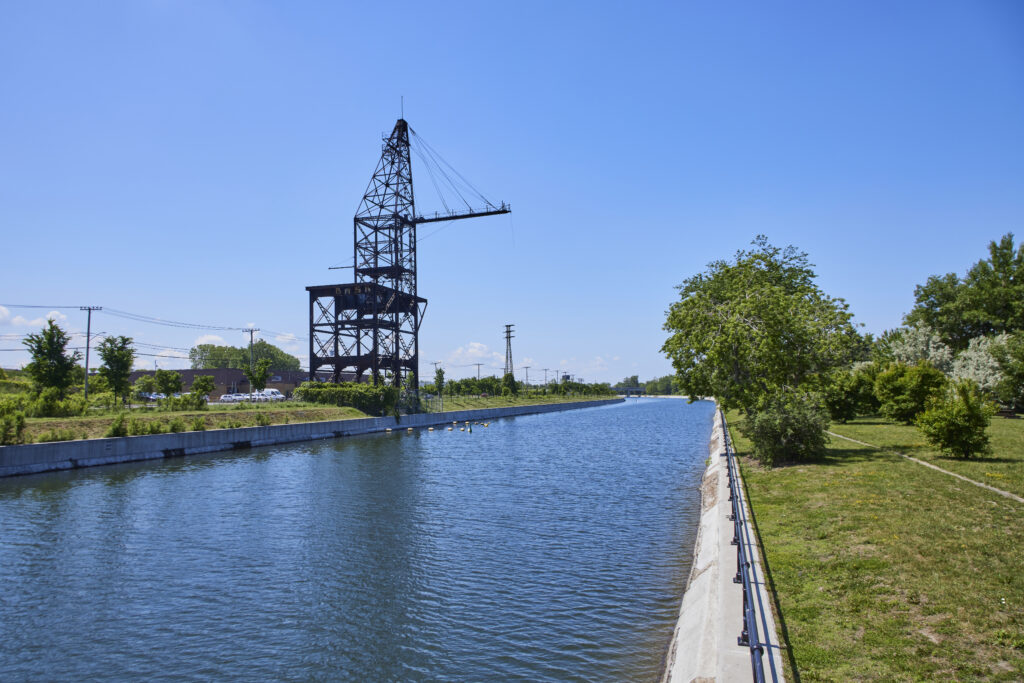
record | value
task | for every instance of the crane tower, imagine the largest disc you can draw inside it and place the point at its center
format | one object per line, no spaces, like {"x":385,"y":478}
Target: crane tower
{"x":368,"y":329}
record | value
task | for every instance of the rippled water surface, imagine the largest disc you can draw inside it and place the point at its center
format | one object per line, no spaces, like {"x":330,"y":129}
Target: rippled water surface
{"x":547,"y":547}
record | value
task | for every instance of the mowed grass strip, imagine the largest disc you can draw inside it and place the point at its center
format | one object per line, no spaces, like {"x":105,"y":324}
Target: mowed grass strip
{"x":1004,"y":469}
{"x":226,"y":416}
{"x":217,"y":417}
{"x":887,"y":570}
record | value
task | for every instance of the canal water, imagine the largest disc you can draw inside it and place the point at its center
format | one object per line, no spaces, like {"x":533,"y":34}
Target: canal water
{"x":546,"y":547}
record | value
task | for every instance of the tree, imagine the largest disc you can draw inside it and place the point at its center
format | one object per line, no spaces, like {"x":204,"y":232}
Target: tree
{"x":212,"y":356}
{"x":168,"y":381}
{"x":921,"y":343}
{"x":258,"y":375}
{"x":957,"y":424}
{"x":977,"y":363}
{"x":202,"y":385}
{"x":118,"y":357}
{"x":988,"y":300}
{"x":904,"y":391}
{"x":145,"y":384}
{"x":509,"y":382}
{"x":1009,"y":356}
{"x":51,"y":366}
{"x":439,"y":379}
{"x":758,"y":329}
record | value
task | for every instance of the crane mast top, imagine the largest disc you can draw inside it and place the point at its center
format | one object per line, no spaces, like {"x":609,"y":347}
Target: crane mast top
{"x":372,"y":325}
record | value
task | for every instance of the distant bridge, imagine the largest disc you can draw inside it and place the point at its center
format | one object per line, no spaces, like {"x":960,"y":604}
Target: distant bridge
{"x":630,"y":391}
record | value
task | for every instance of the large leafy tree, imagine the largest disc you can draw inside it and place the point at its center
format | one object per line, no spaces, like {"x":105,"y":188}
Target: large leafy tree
{"x":52,"y":365}
{"x":118,"y":357}
{"x":758,"y":334}
{"x":168,"y":381}
{"x":988,"y":300}
{"x":212,"y":356}
{"x":749,"y":328}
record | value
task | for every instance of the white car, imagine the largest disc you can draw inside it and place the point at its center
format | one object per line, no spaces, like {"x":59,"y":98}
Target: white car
{"x":229,"y":398}
{"x":273,"y":395}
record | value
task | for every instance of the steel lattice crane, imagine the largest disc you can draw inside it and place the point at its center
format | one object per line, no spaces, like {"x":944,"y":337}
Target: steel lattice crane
{"x":368,"y":330}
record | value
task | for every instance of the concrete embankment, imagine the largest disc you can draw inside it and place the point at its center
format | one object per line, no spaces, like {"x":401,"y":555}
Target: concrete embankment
{"x":64,"y":455}
{"x":704,"y":644}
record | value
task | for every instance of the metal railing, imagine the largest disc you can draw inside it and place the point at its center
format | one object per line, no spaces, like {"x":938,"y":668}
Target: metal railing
{"x":750,"y":636}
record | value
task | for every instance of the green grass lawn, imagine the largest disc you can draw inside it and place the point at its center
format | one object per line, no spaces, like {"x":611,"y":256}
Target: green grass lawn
{"x":1004,"y":469}
{"x":887,"y":570}
{"x":224,"y":416}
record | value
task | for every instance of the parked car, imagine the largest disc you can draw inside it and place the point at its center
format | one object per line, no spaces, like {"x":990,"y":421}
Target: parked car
{"x":273,"y":395}
{"x":229,"y":398}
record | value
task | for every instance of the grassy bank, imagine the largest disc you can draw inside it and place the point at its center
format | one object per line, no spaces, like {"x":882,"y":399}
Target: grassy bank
{"x":226,"y":416}
{"x":887,"y":570}
{"x":1004,"y":469}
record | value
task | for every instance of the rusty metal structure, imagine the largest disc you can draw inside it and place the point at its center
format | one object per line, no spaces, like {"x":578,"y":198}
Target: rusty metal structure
{"x":368,"y":329}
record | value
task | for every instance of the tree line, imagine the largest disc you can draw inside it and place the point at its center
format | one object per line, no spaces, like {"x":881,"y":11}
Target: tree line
{"x":757,"y":333}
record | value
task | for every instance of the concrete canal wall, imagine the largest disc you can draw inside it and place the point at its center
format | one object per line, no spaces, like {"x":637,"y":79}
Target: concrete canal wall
{"x":64,"y":455}
{"x":704,"y":645}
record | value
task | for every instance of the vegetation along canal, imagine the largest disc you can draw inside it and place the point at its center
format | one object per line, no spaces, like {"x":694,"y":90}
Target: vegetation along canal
{"x":544,"y":547}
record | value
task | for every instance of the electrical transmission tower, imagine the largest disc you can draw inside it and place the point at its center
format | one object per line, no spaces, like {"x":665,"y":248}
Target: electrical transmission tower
{"x":508,"y":349}
{"x":369,"y":329}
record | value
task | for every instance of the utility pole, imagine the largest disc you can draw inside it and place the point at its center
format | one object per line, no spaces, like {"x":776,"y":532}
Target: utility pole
{"x":251,"y":331}
{"x":546,"y":375}
{"x":508,"y":349}
{"x":527,"y":369}
{"x":88,"y":338}
{"x":478,"y":370}
{"x":439,"y":392}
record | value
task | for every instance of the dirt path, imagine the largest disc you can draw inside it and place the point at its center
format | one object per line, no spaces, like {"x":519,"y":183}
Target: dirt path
{"x":938,"y":469}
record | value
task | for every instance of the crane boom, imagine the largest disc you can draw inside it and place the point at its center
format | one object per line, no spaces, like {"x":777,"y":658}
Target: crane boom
{"x":456,"y":215}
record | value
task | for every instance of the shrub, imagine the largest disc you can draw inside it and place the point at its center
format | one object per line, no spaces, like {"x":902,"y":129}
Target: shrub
{"x":138,"y":427}
{"x":117,"y":427}
{"x":184,"y":402}
{"x":14,"y":386}
{"x":904,"y":391}
{"x":57,"y":435}
{"x":956,"y":424}
{"x":177,"y":425}
{"x":787,"y":426}
{"x":863,"y":387}
{"x":198,"y":424}
{"x":374,"y":400}
{"x":9,"y":405}
{"x":49,"y":404}
{"x":12,"y":429}
{"x":839,"y":396}
{"x":263,"y":420}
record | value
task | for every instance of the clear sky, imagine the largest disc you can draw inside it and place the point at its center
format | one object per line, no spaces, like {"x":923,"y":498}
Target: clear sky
{"x":201,"y":161}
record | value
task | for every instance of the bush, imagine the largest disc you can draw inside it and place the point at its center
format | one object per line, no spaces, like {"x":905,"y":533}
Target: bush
{"x":57,"y":435}
{"x":904,"y":391}
{"x":9,"y":405}
{"x":49,"y":404}
{"x":262,"y":419}
{"x":957,"y":423}
{"x":15,"y":386}
{"x":863,"y":387}
{"x":184,"y":402}
{"x":198,"y":424}
{"x":137,"y":427}
{"x":177,"y":425}
{"x":12,"y":429}
{"x":374,"y":400}
{"x":839,"y":396}
{"x":118,"y":427}
{"x":787,"y":426}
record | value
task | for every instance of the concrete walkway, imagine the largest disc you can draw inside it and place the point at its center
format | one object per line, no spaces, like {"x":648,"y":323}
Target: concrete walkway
{"x":704,"y":645}
{"x":993,"y":489}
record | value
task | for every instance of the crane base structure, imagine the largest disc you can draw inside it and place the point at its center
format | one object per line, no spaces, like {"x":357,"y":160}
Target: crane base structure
{"x":368,"y":329}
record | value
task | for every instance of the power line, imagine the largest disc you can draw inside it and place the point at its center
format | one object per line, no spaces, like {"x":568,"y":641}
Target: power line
{"x":169,"y":323}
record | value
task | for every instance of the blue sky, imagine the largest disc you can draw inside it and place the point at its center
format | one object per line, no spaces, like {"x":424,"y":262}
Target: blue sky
{"x":201,"y":161}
